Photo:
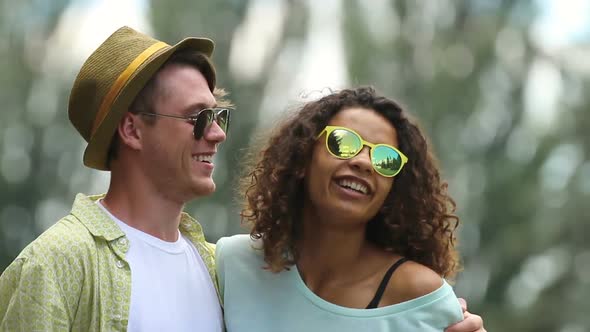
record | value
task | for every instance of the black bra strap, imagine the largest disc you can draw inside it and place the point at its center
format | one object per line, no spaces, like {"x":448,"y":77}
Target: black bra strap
{"x":375,"y":301}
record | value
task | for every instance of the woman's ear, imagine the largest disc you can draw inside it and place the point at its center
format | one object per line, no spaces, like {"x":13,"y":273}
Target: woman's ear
{"x":300,"y":174}
{"x":129,"y":130}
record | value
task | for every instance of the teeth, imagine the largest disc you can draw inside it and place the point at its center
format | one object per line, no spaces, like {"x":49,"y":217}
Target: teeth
{"x":204,"y":157}
{"x":354,"y":185}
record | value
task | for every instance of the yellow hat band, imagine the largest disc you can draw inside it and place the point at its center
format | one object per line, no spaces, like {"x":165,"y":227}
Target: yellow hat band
{"x":120,"y":82}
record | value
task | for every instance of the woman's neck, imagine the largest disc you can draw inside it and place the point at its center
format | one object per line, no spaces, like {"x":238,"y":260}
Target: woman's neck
{"x":328,"y":249}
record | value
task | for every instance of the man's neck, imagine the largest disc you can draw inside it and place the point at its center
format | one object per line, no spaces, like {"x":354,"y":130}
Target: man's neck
{"x":144,"y":209}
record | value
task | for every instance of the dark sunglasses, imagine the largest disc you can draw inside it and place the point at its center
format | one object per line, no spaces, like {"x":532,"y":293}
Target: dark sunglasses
{"x":202,"y":120}
{"x":345,"y":143}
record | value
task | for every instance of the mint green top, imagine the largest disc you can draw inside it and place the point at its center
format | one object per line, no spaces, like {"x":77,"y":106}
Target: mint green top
{"x":258,"y":300}
{"x":74,"y":276}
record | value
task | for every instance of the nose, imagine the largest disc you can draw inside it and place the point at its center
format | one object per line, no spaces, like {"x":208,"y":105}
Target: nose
{"x":362,"y":161}
{"x":214,"y":133}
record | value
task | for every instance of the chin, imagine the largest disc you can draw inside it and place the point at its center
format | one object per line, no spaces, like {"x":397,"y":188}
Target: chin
{"x":351,"y":213}
{"x":203,"y":188}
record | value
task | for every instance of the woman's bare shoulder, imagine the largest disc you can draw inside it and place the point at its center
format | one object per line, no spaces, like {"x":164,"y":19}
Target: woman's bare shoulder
{"x":411,"y":280}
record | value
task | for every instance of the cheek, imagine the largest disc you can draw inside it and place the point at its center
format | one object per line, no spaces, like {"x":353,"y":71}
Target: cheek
{"x":315,"y":165}
{"x":315,"y":177}
{"x":311,"y":178}
{"x":385,"y":185}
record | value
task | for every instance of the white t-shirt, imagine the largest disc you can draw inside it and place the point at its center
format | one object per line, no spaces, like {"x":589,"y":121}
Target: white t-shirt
{"x":171,"y":289}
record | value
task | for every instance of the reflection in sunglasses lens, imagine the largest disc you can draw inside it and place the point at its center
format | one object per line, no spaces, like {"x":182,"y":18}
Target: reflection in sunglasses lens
{"x":344,"y":144}
{"x":386,"y":160}
{"x":222,"y":119}
{"x":206,"y":117}
{"x":203,"y":120}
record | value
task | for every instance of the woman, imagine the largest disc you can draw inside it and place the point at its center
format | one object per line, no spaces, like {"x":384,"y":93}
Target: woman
{"x":351,"y":227}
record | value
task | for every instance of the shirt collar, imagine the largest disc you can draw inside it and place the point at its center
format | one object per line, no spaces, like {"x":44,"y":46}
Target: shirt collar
{"x":98,"y":223}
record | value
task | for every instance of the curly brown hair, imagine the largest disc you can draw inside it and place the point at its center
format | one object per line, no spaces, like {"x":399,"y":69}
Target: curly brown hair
{"x":417,"y":219}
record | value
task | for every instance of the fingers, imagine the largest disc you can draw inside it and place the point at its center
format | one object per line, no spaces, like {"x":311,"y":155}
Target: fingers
{"x":463,"y":304}
{"x":471,"y":323}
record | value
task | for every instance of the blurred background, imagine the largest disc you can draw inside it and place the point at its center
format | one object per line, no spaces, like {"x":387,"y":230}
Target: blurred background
{"x":501,"y":87}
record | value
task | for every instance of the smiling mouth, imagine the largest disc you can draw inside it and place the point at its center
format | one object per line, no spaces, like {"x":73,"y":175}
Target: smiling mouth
{"x":206,"y":158}
{"x":353,"y":185}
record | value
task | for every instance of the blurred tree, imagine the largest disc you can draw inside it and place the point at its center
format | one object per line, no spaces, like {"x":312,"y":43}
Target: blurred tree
{"x":27,"y":174}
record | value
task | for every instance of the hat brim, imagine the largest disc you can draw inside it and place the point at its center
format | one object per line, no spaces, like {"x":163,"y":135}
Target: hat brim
{"x":95,"y":154}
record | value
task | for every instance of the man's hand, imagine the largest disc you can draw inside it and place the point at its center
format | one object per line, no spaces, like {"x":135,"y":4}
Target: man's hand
{"x":470,"y":323}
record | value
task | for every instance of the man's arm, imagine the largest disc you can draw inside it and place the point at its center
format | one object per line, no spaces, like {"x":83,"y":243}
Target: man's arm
{"x":470,"y":323}
{"x":31,"y":298}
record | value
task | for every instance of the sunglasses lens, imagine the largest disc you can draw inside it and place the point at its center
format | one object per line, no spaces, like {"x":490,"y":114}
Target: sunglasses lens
{"x":222,"y":120}
{"x":344,"y":144}
{"x":386,"y":160}
{"x":203,"y":121}
{"x":206,"y":117}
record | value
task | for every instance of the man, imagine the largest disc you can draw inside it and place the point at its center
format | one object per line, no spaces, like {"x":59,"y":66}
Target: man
{"x":131,"y":259}
{"x":120,"y":261}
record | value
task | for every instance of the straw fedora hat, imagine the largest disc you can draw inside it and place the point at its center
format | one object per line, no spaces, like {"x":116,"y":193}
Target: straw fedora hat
{"x":111,"y":78}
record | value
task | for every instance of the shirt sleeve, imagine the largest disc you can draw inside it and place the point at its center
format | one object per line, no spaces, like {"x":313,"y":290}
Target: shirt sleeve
{"x":31,"y":298}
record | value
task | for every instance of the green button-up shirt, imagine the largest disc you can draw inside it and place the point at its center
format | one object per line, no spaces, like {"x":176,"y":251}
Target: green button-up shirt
{"x":74,"y":277}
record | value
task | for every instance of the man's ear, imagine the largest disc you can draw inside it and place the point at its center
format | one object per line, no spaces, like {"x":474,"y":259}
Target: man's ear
{"x":129,"y":130}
